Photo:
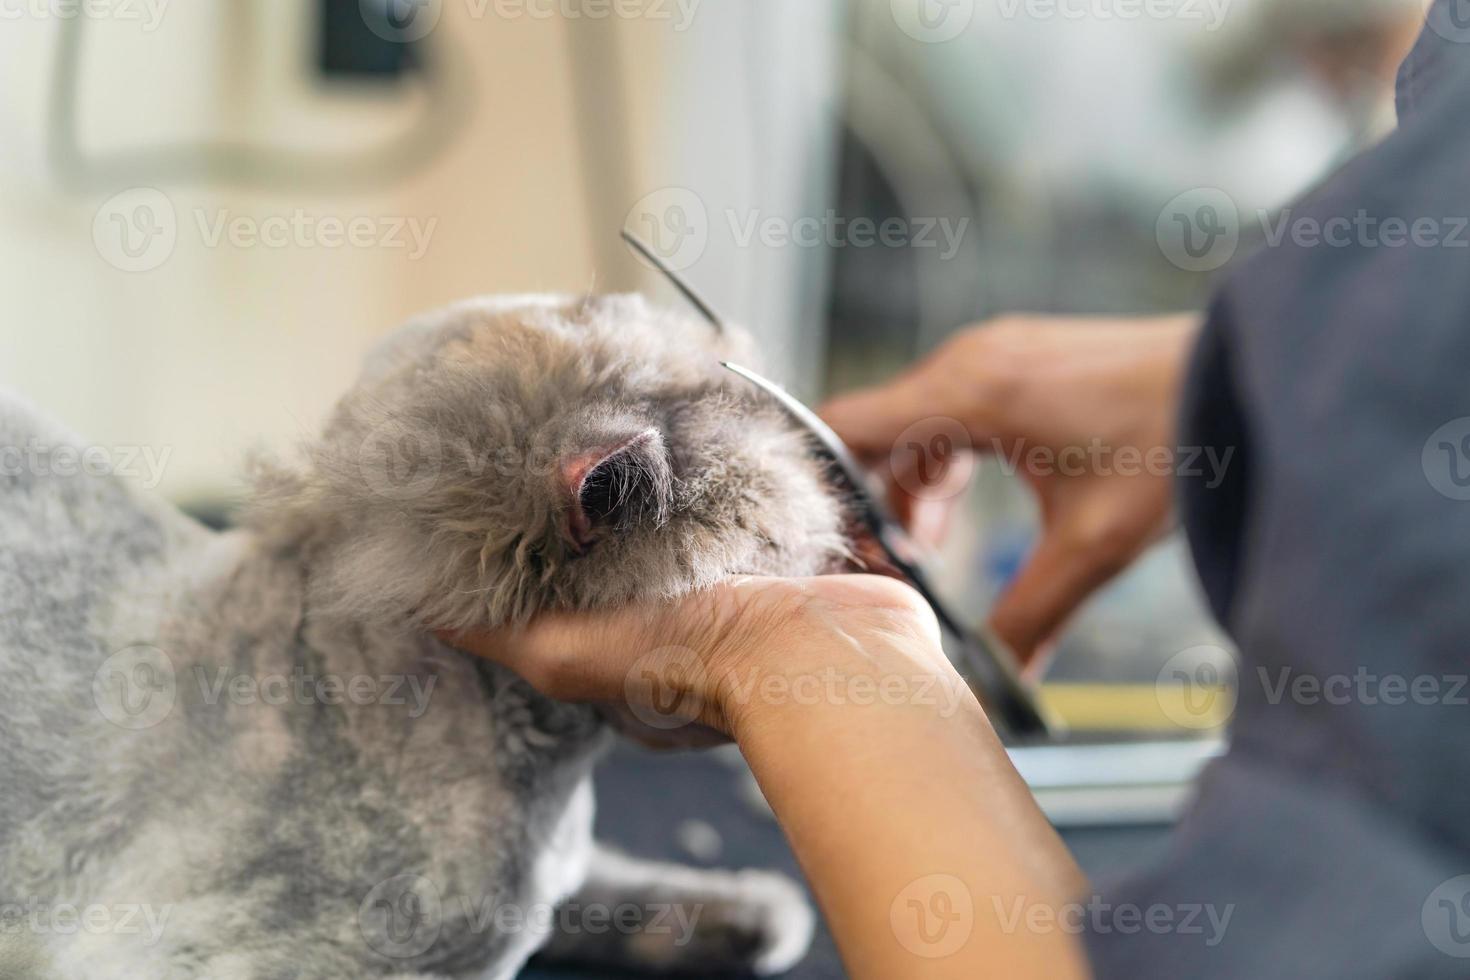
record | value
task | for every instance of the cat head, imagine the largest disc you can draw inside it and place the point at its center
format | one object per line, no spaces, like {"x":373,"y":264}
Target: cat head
{"x":516,"y":454}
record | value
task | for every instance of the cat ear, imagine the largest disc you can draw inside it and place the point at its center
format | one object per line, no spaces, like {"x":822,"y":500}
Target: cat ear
{"x":616,"y":485}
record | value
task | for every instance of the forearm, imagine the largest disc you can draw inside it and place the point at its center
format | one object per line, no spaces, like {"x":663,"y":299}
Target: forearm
{"x":918,"y":836}
{"x":924,"y":847}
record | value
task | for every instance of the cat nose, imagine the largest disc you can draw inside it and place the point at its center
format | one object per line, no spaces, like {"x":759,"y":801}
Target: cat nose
{"x":615,"y":486}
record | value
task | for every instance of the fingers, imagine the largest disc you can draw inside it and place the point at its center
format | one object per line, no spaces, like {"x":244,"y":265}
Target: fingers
{"x":871,"y":420}
{"x":590,"y":656}
{"x":557,"y":653}
{"x":966,"y":380}
{"x":692,"y":736}
{"x":869,"y":557}
{"x":928,"y":520}
{"x":1055,"y":581}
{"x":700,"y":665}
{"x":924,"y":498}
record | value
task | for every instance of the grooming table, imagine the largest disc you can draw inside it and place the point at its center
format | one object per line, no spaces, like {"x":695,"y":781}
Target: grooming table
{"x":644,"y":797}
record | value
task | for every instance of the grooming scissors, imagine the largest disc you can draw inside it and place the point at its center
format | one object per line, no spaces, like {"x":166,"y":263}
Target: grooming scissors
{"x":988,"y":666}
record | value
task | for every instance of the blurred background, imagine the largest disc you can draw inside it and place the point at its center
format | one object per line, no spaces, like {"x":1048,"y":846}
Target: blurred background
{"x":210,"y":209}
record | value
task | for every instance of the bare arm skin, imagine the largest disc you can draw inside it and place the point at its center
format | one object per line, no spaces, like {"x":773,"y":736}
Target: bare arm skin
{"x":916,"y":833}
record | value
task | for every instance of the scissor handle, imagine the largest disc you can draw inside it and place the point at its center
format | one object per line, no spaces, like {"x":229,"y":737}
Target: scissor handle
{"x":990,"y":669}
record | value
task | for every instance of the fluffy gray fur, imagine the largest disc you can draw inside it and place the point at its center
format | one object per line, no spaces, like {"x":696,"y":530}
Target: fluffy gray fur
{"x":442,"y":465}
{"x":244,"y":755}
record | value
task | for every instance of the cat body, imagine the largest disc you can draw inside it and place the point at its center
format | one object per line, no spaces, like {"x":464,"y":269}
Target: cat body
{"x":245,"y":755}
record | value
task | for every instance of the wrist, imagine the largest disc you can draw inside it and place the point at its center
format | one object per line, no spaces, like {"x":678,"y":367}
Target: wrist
{"x":834,"y":675}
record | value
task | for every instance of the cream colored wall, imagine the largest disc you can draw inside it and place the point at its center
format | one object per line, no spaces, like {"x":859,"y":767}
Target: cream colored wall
{"x":221,"y":348}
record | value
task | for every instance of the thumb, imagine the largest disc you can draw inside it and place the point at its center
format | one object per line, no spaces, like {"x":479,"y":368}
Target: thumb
{"x":1056,"y":579}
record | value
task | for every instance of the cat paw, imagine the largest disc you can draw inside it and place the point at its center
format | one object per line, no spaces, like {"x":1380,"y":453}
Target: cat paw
{"x":693,"y":922}
{"x":766,"y":926}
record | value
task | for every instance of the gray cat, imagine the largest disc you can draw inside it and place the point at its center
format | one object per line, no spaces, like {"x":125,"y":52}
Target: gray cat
{"x":245,"y":755}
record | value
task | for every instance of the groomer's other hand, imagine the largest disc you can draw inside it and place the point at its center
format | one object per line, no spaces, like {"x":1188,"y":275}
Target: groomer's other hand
{"x":1084,"y":407}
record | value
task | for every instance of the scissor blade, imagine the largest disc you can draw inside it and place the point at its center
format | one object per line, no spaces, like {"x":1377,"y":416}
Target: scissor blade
{"x":831,"y":442}
{"x":989,"y":667}
{"x":678,"y":281}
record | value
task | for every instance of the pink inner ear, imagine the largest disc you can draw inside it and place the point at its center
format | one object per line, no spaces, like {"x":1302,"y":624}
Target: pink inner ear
{"x":574,"y":473}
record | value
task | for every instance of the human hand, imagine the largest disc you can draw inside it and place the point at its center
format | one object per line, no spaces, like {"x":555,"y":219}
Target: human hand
{"x":883,"y":771}
{"x":711,"y":660}
{"x":1085,"y":409}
